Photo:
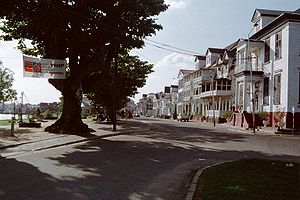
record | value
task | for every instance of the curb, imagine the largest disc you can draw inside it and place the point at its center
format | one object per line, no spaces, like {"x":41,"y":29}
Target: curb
{"x":65,"y":143}
{"x":22,"y":143}
{"x":193,"y":186}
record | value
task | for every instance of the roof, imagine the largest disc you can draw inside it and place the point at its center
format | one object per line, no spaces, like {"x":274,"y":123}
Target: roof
{"x":216,"y":50}
{"x":200,"y":58}
{"x":277,"y":22}
{"x":266,"y":12}
{"x":232,"y":45}
{"x":186,"y":71}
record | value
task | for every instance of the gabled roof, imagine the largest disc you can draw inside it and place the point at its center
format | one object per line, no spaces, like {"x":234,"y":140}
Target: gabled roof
{"x":215,"y":50}
{"x":277,"y":22}
{"x":232,"y":45}
{"x":200,"y":58}
{"x":186,"y":71}
{"x":265,"y":12}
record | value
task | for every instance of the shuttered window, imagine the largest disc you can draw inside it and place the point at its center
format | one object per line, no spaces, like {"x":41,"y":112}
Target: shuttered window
{"x":278,"y":45}
{"x":277,"y":88}
{"x":266,"y":90}
{"x":267,"y":50}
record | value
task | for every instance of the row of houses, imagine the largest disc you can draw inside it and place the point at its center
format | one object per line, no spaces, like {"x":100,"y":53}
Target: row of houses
{"x":259,"y":74}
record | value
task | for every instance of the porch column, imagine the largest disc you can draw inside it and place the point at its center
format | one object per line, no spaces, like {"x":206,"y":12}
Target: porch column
{"x":244,"y":94}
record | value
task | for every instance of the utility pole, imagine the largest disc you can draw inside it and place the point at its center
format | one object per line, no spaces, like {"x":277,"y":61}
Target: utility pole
{"x":249,"y":64}
{"x":21,"y":111}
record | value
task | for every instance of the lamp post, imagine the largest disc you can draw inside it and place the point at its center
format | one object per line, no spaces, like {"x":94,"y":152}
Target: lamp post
{"x":249,"y":64}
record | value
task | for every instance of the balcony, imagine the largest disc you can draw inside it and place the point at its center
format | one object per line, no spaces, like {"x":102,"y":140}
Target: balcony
{"x":198,"y":96}
{"x":222,"y":73}
{"x":215,"y":93}
{"x":197,"y":80}
{"x":245,"y":69}
{"x":188,"y":83}
{"x":187,"y":98}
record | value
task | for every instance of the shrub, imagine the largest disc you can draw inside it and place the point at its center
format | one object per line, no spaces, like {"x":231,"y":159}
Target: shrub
{"x":264,"y":115}
{"x":227,"y":114}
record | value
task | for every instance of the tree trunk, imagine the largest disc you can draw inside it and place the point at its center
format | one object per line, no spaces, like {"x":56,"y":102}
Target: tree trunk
{"x":70,"y":121}
{"x":114,"y":121}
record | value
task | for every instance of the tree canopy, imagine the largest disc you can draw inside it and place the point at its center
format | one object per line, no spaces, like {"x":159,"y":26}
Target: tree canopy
{"x":90,"y":33}
{"x":111,"y":90}
{"x":6,"y":83}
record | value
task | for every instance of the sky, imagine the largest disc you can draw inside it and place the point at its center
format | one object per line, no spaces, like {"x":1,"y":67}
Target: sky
{"x":193,"y":25}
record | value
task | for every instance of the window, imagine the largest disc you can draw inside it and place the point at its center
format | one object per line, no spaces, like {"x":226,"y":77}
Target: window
{"x":241,"y":57}
{"x":223,"y":85}
{"x":278,"y":45}
{"x":277,"y":88}
{"x":267,"y":50}
{"x":266,"y":90}
{"x":229,"y":85}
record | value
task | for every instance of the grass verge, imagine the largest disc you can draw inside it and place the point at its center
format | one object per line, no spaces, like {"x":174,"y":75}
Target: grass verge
{"x":253,"y":179}
{"x":5,"y":122}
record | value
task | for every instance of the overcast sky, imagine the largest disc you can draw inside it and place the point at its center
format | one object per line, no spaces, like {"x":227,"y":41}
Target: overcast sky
{"x":193,"y":25}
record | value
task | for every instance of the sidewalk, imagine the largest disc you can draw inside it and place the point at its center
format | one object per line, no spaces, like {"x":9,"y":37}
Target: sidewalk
{"x":258,"y":131}
{"x":33,"y":139}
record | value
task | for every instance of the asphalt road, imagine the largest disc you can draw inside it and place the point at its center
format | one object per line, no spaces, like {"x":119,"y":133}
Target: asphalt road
{"x":156,"y":164}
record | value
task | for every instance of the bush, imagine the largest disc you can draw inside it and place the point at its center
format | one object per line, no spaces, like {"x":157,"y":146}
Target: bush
{"x":227,"y":114}
{"x":84,"y":115}
{"x":199,"y":114}
{"x":264,"y":115}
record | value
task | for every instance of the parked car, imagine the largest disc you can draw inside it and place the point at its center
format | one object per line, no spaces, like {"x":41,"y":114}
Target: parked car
{"x":183,"y":117}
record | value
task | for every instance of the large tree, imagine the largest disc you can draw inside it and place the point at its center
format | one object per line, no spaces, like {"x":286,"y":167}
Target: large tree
{"x":6,"y":82}
{"x":90,"y":33}
{"x":111,"y":90}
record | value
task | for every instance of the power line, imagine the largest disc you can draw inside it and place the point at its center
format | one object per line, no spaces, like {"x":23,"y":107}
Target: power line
{"x":171,"y":50}
{"x":170,"y":46}
{"x":144,"y":56}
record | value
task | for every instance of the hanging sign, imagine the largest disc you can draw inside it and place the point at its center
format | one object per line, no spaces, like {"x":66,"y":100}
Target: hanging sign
{"x":44,"y":68}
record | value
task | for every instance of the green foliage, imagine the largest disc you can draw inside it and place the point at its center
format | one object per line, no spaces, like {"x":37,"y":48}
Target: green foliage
{"x":6,"y":83}
{"x":48,"y":114}
{"x":5,"y":122}
{"x":60,"y":105}
{"x":199,"y":114}
{"x":227,"y":114}
{"x":112,"y":90}
{"x":84,"y":115}
{"x":252,"y":179}
{"x":31,"y":118}
{"x":89,"y":33}
{"x":264,"y":115}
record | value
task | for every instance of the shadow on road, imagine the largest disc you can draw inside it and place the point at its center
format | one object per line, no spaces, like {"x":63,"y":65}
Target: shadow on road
{"x":118,"y":170}
{"x":180,"y":132}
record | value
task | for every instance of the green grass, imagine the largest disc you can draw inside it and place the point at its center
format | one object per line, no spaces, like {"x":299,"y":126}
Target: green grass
{"x":252,"y":179}
{"x":5,"y":122}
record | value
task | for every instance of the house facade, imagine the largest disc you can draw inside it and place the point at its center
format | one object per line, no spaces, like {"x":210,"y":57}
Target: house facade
{"x":268,"y":67}
{"x":258,"y":74}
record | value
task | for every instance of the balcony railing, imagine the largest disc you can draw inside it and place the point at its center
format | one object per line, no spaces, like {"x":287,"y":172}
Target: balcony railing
{"x":215,"y":93}
{"x":245,"y":67}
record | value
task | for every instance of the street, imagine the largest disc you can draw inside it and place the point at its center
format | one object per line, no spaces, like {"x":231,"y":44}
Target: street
{"x":157,"y":163}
